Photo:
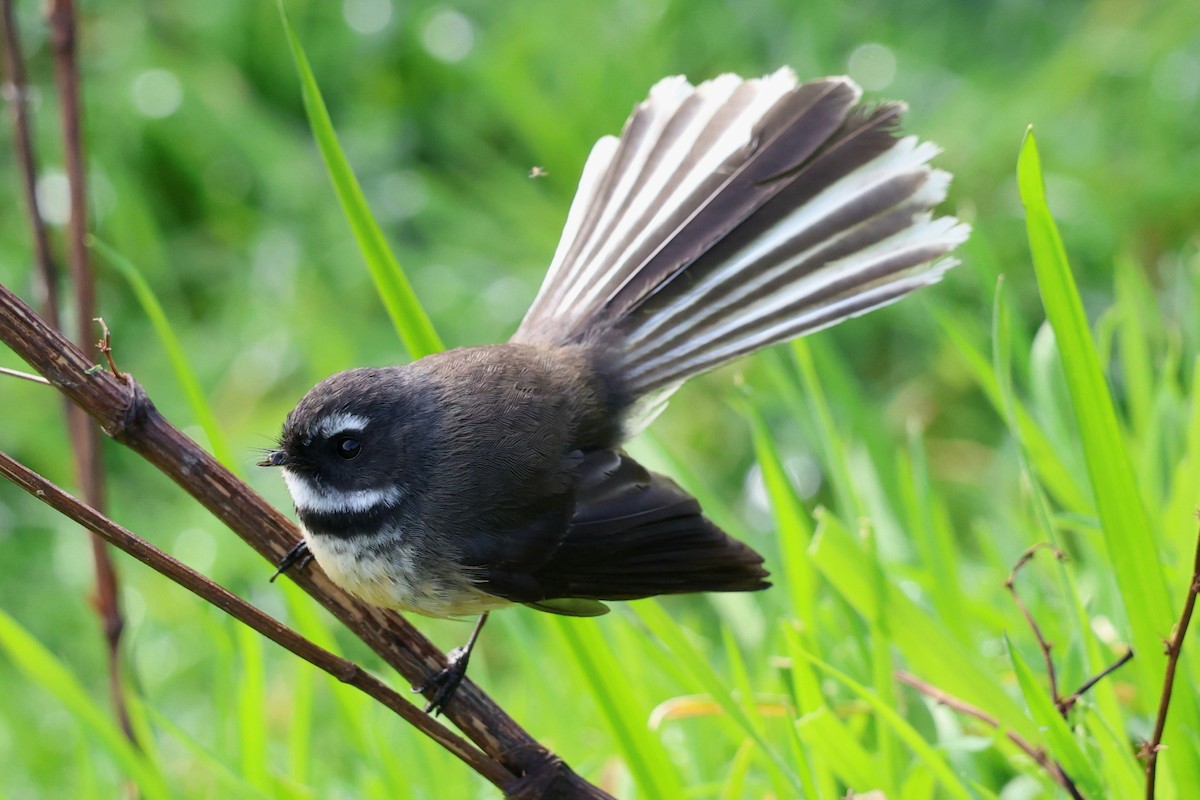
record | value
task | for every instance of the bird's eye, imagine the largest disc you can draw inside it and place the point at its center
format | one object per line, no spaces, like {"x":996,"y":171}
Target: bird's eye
{"x":347,"y":447}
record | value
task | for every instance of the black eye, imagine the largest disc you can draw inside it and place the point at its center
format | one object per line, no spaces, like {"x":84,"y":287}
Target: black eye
{"x":347,"y":447}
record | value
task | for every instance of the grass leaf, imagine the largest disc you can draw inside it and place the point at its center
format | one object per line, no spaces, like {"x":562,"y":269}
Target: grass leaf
{"x":1132,"y":545}
{"x":405,"y":310}
{"x":601,"y":672}
{"x":41,"y":667}
{"x":1063,"y":747}
{"x":673,"y":637}
{"x":192,"y":390}
{"x":896,"y":723}
{"x":930,"y":650}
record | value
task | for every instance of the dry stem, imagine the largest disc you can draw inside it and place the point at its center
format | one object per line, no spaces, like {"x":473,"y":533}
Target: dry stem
{"x":16,"y":92}
{"x":1043,"y":645}
{"x":1052,"y":767}
{"x":1174,"y":647}
{"x":85,"y":438}
{"x":1063,"y":704}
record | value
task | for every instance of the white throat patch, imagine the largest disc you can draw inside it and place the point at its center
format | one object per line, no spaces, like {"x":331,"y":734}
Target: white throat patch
{"x":308,"y":497}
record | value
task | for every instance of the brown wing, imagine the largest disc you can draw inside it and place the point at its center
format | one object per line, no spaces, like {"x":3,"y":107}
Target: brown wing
{"x":633,"y":533}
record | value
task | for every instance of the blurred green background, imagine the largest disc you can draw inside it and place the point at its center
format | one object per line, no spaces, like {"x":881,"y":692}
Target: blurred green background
{"x":203,"y":173}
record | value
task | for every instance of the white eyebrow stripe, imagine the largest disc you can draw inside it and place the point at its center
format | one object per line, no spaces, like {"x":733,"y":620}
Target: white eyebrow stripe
{"x":333,"y":501}
{"x":339,"y":423}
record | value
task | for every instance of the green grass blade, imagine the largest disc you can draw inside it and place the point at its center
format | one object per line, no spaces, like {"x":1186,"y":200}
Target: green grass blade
{"x":884,"y":688}
{"x":735,"y":785}
{"x":850,"y":502}
{"x":232,"y":784}
{"x":1123,"y":774}
{"x":403,"y":308}
{"x":1137,"y":359}
{"x":826,"y":738}
{"x":920,"y":784}
{"x":300,"y":723}
{"x":836,"y":747}
{"x":1062,"y":744}
{"x":1103,"y":697}
{"x":251,"y":708}
{"x":1059,"y":478}
{"x":1184,"y":496}
{"x":88,"y":781}
{"x":792,"y":523}
{"x":932,"y":536}
{"x":927,"y":646}
{"x":41,"y":667}
{"x":197,"y":400}
{"x":1129,"y":535}
{"x":905,"y":732}
{"x":1131,"y":539}
{"x":810,"y":701}
{"x":673,"y":638}
{"x":749,"y":702}
{"x":600,"y":671}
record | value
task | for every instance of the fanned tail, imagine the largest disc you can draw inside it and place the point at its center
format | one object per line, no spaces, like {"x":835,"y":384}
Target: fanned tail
{"x":736,"y":214}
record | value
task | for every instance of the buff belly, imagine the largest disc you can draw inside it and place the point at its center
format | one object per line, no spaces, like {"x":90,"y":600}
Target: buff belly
{"x":388,"y":576}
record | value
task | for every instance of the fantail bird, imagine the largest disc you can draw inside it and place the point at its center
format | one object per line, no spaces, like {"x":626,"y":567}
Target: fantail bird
{"x":727,"y":217}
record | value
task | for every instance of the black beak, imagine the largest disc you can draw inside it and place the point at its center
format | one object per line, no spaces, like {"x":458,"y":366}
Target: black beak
{"x":276,"y":458}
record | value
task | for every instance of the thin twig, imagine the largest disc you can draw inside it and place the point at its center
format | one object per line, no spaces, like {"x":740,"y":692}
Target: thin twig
{"x":25,"y":376}
{"x":1069,"y":701}
{"x":1043,"y":645}
{"x":105,"y":347}
{"x":340,"y":668}
{"x":16,"y":92}
{"x":1052,"y":767}
{"x":1174,"y":647}
{"x":85,"y":438}
{"x":125,"y":412}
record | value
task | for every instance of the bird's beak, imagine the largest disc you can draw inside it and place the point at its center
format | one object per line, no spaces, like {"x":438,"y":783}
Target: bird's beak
{"x":276,"y":458}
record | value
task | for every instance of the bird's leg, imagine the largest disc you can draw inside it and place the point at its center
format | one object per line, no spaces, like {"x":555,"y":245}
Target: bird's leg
{"x":446,"y":682}
{"x":300,"y":554}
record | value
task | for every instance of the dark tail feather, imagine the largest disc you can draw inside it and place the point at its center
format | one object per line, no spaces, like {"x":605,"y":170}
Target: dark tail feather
{"x":737,"y":214}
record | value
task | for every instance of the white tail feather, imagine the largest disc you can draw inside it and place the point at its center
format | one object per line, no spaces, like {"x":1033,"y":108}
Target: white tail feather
{"x":733,"y":281}
{"x":609,"y":207}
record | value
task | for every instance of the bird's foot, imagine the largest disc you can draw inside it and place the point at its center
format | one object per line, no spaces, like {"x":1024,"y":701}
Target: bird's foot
{"x":446,"y":682}
{"x":300,"y":554}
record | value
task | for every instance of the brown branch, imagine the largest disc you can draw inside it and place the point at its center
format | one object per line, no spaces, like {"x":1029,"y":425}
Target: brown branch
{"x":344,"y":670}
{"x":125,"y":412}
{"x":1043,"y":645}
{"x":1174,"y":647}
{"x":1052,"y":767}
